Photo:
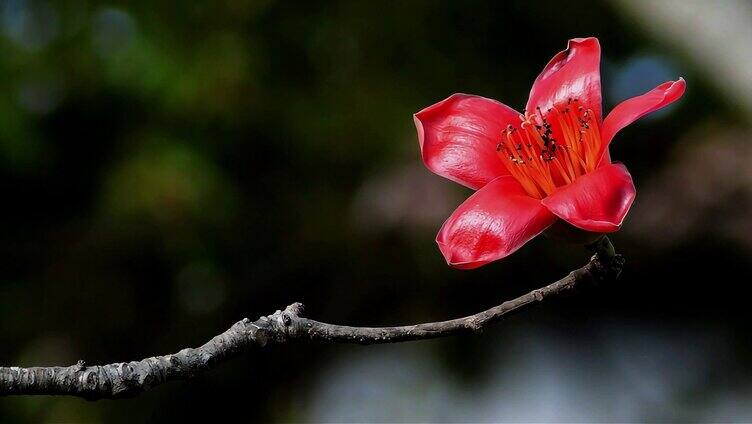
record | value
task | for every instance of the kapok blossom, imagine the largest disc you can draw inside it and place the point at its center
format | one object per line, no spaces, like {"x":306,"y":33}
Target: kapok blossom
{"x":530,"y":170}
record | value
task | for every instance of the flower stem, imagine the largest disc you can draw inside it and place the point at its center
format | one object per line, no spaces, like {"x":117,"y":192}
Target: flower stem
{"x":602,"y":248}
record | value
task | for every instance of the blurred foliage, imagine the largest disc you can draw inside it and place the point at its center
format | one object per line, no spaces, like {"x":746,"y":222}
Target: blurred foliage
{"x":168,"y":168}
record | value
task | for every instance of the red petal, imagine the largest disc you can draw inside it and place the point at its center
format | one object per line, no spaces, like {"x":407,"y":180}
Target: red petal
{"x":632,"y":109}
{"x":491,"y":224}
{"x":458,"y":138}
{"x":596,"y":202}
{"x":572,"y":73}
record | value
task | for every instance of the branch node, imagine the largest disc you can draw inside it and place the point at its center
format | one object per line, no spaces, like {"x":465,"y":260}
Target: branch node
{"x":474,"y":326}
{"x":537,"y":295}
{"x":296,"y":309}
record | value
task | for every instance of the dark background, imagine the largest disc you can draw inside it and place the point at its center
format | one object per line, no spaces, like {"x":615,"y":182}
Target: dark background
{"x":167,"y":169}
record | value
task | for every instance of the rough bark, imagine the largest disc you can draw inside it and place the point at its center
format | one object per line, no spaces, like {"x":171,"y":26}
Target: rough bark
{"x":125,"y":379}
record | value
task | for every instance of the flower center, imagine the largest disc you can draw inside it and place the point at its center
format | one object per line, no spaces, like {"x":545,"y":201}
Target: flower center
{"x":551,"y":149}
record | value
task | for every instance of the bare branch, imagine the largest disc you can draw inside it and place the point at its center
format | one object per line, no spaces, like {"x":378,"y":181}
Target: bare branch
{"x":127,"y":379}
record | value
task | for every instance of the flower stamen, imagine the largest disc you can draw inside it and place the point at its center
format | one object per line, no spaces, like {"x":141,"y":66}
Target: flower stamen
{"x":541,"y":162}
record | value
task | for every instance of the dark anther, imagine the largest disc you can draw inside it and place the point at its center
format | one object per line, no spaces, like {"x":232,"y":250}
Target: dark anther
{"x":286,"y":320}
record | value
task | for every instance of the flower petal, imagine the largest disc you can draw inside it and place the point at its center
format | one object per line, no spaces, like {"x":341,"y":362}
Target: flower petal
{"x":572,"y":73}
{"x":458,"y":138}
{"x":596,"y":202}
{"x":491,"y":224}
{"x":632,"y":109}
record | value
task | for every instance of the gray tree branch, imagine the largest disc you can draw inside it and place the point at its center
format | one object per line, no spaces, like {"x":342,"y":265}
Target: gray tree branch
{"x":125,"y":379}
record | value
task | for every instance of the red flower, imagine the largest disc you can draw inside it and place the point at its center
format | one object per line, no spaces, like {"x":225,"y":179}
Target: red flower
{"x":531,"y":169}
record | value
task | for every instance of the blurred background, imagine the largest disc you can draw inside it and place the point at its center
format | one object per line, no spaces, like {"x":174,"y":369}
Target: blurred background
{"x":168,"y":168}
